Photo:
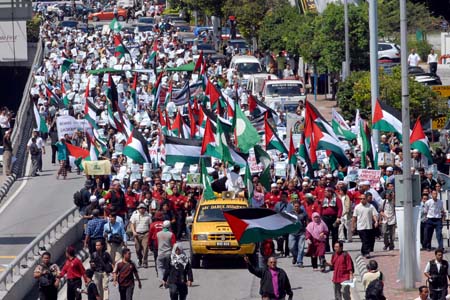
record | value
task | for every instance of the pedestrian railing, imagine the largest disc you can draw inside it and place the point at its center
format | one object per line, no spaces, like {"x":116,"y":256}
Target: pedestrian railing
{"x":24,"y":118}
{"x":31,"y":254}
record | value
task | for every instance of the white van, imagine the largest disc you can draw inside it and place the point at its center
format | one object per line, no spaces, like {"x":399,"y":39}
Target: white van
{"x":283,"y":94}
{"x":245,"y":65}
{"x":255,"y":83}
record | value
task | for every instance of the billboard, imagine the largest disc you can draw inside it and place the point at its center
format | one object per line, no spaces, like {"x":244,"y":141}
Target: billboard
{"x":13,"y":41}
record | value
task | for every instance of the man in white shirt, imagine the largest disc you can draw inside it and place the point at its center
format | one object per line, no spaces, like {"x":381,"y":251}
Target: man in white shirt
{"x":365,"y":219}
{"x":140,"y":224}
{"x":432,"y":61}
{"x":40,"y":144}
{"x":413,"y":58}
{"x":434,"y":210}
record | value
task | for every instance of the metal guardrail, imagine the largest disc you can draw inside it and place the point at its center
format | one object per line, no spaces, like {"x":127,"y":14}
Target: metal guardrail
{"x":28,"y":257}
{"x":24,"y":117}
{"x":22,"y":127}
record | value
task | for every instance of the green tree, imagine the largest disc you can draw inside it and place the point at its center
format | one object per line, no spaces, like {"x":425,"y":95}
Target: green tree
{"x":208,"y":7}
{"x":354,"y":93}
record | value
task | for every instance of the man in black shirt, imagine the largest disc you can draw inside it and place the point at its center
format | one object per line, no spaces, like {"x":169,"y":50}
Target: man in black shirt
{"x":218,"y":185}
{"x":91,"y":288}
{"x":101,"y":263}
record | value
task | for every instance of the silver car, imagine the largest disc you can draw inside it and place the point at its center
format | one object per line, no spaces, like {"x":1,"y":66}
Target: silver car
{"x":388,"y":51}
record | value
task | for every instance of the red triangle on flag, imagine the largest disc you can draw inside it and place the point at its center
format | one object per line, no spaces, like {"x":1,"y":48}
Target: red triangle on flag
{"x":417,"y":133}
{"x":378,"y":114}
{"x":208,"y":137}
{"x":267,"y":130}
{"x":237,"y":225}
{"x":252,"y":105}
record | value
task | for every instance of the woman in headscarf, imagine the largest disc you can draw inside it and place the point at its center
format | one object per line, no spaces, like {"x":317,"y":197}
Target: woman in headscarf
{"x":179,"y":275}
{"x":316,"y":237}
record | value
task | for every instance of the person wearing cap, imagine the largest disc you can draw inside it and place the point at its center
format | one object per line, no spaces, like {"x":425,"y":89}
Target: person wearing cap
{"x":62,"y":157}
{"x":310,"y":205}
{"x":178,"y":202}
{"x":364,"y":220}
{"x":388,"y":220}
{"x":165,"y":239}
{"x":283,"y":206}
{"x":94,"y":231}
{"x":273,"y":197}
{"x":116,"y":197}
{"x":384,"y":145}
{"x":140,"y":225}
{"x":418,"y":160}
{"x":331,"y":212}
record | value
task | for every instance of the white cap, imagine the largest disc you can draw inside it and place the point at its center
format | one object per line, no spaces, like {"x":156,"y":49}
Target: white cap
{"x":166,"y":224}
{"x":93,"y":198}
{"x":101,"y":201}
{"x":389,"y":169}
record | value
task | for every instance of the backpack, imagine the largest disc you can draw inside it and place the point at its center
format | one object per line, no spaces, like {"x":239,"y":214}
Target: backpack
{"x":375,"y":289}
{"x":78,"y":199}
{"x":47,"y":279}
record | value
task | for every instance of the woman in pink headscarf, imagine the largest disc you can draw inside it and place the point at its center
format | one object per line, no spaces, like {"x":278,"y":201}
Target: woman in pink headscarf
{"x":316,"y":237}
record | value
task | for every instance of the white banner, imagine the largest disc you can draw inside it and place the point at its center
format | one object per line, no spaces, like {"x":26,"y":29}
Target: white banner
{"x":68,"y":125}
{"x":399,"y":214}
{"x":13,"y":46}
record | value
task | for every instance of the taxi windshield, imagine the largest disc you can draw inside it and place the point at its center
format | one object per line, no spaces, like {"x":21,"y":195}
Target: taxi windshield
{"x":284,"y":89}
{"x":214,"y":212}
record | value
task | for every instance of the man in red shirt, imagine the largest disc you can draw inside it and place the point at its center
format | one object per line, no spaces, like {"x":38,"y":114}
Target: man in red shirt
{"x":74,"y":270}
{"x":342,"y":264}
{"x":273,"y":197}
{"x":178,"y":203}
{"x":155,"y":227}
{"x":331,"y":212}
{"x":131,"y":200}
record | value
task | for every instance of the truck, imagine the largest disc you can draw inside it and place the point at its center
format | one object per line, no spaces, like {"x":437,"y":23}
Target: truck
{"x":211,"y":235}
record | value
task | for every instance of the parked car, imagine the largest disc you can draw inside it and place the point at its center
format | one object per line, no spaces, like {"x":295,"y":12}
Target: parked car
{"x":108,"y":15}
{"x":388,"y":51}
{"x":68,"y":24}
{"x":241,"y":46}
{"x":146,"y":20}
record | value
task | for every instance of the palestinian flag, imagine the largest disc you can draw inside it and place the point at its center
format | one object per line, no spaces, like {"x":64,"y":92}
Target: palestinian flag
{"x":53,"y":98}
{"x":272,"y":140}
{"x":292,"y":157}
{"x":153,"y":55}
{"x":213,"y":94}
{"x":65,"y":99}
{"x":199,"y":62}
{"x":340,"y":127}
{"x":177,"y":126}
{"x":252,"y":225}
{"x":182,"y":150}
{"x":90,"y":113}
{"x":387,"y":119}
{"x":208,"y":193}
{"x":76,"y":151}
{"x":137,"y":148}
{"x":115,"y":25}
{"x":93,"y":151}
{"x":156,"y":91}
{"x":41,"y":125}
{"x":168,"y":95}
{"x":364,"y":140}
{"x":120,"y":49}
{"x":256,"y":107}
{"x":317,"y":118}
{"x":133,"y":89}
{"x":419,"y":141}
{"x":303,"y":153}
{"x":323,"y":141}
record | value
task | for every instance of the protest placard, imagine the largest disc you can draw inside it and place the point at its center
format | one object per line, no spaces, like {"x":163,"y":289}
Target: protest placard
{"x":373,"y":176}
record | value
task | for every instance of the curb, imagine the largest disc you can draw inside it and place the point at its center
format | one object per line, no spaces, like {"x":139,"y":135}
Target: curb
{"x":4,"y":189}
{"x":360,"y":270}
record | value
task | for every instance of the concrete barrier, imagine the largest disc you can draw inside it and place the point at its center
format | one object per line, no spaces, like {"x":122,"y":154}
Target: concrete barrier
{"x":17,"y":280}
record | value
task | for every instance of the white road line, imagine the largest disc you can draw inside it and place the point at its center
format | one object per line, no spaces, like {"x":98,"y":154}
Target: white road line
{"x":21,"y":187}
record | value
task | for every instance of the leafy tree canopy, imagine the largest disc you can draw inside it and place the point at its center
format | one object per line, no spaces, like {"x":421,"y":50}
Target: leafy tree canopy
{"x":354,"y":93}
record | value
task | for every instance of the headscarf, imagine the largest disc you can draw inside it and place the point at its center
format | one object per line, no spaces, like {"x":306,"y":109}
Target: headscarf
{"x":316,"y":228}
{"x":178,"y":259}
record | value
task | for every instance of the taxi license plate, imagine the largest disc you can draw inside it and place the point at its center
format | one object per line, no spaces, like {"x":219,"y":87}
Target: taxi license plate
{"x":223,"y":244}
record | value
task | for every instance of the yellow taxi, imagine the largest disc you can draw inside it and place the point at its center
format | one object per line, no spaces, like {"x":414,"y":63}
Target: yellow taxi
{"x":211,"y":235}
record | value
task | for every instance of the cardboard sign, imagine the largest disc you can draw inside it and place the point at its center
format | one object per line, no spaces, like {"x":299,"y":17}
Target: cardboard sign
{"x":386,"y":159}
{"x":280,"y":169}
{"x":68,"y":125}
{"x":296,"y":124}
{"x":373,"y":176}
{"x":98,"y":167}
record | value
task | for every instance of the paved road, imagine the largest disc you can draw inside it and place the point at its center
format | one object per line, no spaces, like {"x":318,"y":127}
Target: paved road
{"x":42,"y":200}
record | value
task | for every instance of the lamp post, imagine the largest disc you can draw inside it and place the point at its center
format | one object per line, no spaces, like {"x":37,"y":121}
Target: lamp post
{"x":374,"y":88}
{"x":346,"y":71}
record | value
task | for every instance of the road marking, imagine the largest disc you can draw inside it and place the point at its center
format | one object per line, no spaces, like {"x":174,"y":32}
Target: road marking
{"x":21,"y":187}
{"x":7,"y":256}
